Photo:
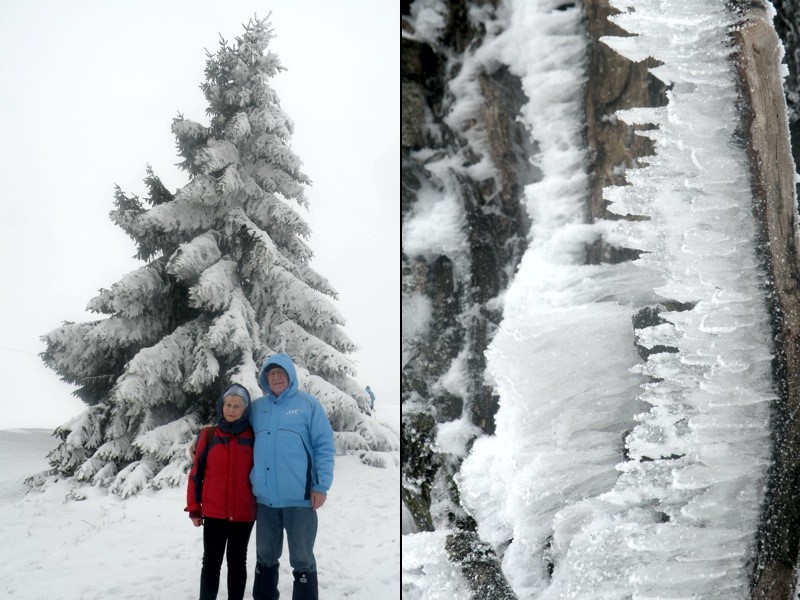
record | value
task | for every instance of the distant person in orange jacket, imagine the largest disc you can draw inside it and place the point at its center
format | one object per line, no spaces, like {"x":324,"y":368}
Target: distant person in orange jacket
{"x":220,"y":497}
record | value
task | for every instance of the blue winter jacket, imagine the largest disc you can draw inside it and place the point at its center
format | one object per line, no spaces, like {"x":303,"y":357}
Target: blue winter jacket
{"x":294,"y":450}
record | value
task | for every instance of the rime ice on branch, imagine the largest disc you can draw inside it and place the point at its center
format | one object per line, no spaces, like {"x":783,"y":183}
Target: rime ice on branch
{"x":226,"y":282}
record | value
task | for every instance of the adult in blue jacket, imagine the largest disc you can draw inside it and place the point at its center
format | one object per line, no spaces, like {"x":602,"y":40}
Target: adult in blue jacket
{"x":292,"y":473}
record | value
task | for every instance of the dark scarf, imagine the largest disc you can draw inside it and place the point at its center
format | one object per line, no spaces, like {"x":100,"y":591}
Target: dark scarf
{"x":237,"y":426}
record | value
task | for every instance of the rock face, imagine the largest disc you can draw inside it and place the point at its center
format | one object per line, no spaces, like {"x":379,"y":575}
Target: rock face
{"x":454,"y":287}
{"x":459,"y":289}
{"x":448,"y":293}
{"x":614,"y":83}
{"x":773,"y":146}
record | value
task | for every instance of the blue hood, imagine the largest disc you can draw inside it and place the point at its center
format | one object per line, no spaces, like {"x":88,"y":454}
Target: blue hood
{"x":282,"y":360}
{"x":241,"y":424}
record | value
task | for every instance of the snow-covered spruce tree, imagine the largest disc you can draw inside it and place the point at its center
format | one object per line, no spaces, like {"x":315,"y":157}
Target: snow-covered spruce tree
{"x":226,"y":282}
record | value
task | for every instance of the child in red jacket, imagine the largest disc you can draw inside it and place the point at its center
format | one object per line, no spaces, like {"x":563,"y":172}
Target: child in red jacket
{"x":219,"y":496}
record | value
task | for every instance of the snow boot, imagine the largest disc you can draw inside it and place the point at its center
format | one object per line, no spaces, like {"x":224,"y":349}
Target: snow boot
{"x":305,"y":586}
{"x":265,"y":585}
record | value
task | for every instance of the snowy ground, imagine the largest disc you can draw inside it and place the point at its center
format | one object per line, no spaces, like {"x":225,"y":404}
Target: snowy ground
{"x":146,"y":548}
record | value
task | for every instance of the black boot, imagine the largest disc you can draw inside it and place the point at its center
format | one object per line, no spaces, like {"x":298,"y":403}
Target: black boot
{"x":265,"y":585}
{"x":305,"y":586}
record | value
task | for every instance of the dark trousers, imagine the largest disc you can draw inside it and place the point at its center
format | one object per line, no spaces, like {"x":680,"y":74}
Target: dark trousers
{"x":217,"y":534}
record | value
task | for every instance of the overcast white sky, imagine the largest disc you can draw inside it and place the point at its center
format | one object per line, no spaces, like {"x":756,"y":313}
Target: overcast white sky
{"x":88,"y":91}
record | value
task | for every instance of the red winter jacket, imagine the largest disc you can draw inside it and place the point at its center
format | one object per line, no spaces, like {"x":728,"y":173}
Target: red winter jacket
{"x":219,"y":482}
